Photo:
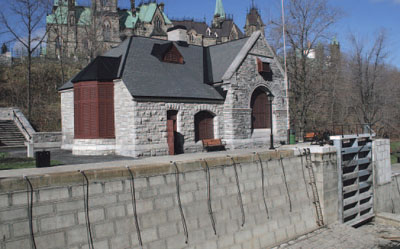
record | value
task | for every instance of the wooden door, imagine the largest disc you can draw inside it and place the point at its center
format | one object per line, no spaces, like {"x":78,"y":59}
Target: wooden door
{"x":171,"y":137}
{"x":172,"y":130}
{"x":204,"y":126}
{"x":260,"y":110}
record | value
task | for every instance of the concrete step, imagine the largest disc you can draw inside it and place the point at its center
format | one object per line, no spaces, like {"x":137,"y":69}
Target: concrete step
{"x":10,"y":135}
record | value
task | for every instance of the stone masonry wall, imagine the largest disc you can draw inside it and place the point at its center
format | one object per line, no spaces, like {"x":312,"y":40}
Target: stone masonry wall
{"x":59,"y":216}
{"x":67,"y":119}
{"x":47,"y":139}
{"x":6,"y":113}
{"x":151,"y":125}
{"x":237,"y":109}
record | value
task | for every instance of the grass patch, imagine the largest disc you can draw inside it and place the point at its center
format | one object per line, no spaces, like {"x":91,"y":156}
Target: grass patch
{"x":394,"y":147}
{"x":7,"y":162}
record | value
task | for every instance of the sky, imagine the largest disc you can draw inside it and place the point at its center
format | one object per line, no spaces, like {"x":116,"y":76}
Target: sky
{"x":362,"y":17}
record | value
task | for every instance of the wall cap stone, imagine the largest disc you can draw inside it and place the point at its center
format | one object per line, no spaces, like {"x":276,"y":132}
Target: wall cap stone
{"x":68,"y":175}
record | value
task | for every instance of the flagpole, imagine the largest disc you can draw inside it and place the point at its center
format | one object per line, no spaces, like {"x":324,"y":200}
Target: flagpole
{"x":286,"y":78}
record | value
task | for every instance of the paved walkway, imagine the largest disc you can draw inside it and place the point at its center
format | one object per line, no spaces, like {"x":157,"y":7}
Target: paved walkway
{"x":339,"y":236}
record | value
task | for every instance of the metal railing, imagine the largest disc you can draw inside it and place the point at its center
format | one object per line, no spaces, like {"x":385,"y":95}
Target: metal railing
{"x":336,"y":130}
{"x":16,"y":118}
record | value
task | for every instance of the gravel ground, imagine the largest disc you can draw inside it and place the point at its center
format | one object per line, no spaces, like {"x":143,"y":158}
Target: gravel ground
{"x":341,"y":236}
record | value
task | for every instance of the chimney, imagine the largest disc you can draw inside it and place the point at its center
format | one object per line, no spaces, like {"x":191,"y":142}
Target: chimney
{"x":161,"y":5}
{"x":177,"y":33}
{"x":133,"y":7}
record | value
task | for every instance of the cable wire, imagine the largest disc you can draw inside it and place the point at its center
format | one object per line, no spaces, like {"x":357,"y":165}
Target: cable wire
{"x":262,"y":183}
{"x":304,"y":175}
{"x":239,"y":193}
{"x":287,"y":187}
{"x":86,"y":206}
{"x":133,"y":192}
{"x":185,"y":230}
{"x":210,"y":211}
{"x":29,"y":195}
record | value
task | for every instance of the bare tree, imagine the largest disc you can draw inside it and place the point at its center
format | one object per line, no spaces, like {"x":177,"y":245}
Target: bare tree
{"x":28,"y":30}
{"x":93,"y":30}
{"x":308,"y":23}
{"x":367,"y":76}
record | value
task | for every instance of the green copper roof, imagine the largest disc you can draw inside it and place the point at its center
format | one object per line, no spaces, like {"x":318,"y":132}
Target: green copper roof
{"x":335,"y":41}
{"x":60,"y":15}
{"x":83,"y":15}
{"x":145,"y":13}
{"x":61,"y":2}
{"x":219,"y":9}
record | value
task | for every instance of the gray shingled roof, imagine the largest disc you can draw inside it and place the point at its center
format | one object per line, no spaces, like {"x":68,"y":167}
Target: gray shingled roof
{"x":199,"y":27}
{"x":146,"y":76}
{"x":222,"y":56}
{"x":114,"y":52}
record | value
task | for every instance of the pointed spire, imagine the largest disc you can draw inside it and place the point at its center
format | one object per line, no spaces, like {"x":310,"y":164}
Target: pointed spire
{"x":219,"y":9}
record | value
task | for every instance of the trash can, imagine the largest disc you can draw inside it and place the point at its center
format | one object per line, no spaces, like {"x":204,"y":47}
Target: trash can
{"x":292,"y":136}
{"x":42,"y":159}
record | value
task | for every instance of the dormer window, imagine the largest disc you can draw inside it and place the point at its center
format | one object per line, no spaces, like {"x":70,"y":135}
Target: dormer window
{"x":158,"y":23}
{"x":167,"y":52}
{"x":263,"y":66}
{"x":173,"y":56}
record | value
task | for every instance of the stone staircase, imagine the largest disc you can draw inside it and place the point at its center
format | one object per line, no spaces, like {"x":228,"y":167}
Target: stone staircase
{"x":10,"y":135}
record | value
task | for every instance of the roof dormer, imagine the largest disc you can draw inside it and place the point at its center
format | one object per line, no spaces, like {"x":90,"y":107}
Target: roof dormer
{"x":167,"y":52}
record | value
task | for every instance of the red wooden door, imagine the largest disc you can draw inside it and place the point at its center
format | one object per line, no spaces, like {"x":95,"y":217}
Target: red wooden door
{"x":204,"y":126}
{"x":260,"y":110}
{"x":171,"y":138}
{"x":172,"y":130}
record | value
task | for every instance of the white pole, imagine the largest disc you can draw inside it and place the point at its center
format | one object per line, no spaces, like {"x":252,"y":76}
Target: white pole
{"x":285,"y":62}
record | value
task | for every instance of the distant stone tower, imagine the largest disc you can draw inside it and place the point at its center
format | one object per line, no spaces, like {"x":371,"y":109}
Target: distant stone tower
{"x":254,"y":22}
{"x":219,"y":15}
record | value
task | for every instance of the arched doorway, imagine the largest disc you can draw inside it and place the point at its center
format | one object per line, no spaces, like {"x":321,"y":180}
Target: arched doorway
{"x":203,"y":125}
{"x":260,"y":109}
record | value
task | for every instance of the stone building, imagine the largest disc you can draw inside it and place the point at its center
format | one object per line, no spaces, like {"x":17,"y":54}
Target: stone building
{"x":75,"y":30}
{"x":222,"y":29}
{"x":150,"y":97}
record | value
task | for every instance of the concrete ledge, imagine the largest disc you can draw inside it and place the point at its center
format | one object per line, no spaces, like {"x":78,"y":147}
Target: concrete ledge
{"x":388,"y":219}
{"x":68,"y":175}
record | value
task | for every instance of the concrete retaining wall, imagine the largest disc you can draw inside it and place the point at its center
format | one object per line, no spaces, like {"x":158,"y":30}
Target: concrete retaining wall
{"x":59,"y":217}
{"x":47,"y":139}
{"x":6,"y":113}
{"x":387,"y":196}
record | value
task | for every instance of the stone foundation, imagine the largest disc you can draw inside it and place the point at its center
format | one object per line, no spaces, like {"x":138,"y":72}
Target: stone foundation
{"x":92,"y":147}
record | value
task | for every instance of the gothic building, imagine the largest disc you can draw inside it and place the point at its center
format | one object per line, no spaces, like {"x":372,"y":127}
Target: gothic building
{"x":76,"y":30}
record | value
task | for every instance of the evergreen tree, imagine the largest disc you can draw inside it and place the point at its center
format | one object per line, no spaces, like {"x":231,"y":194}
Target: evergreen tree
{"x":4,"y":49}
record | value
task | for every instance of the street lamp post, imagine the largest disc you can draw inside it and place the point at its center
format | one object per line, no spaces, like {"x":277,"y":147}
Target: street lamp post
{"x":271,"y":98}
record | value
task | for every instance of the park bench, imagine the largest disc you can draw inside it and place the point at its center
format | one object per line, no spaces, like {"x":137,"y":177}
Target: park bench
{"x":213,"y":144}
{"x":309,"y":137}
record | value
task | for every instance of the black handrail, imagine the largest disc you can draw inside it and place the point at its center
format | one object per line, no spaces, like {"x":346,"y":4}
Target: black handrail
{"x":22,"y":125}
